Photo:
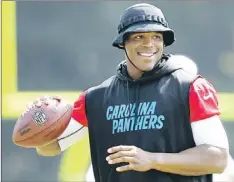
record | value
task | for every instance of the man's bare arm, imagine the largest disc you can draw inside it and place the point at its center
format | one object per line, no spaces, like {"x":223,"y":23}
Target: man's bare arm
{"x":200,"y":160}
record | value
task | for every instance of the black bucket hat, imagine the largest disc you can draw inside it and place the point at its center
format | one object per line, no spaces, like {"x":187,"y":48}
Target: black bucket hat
{"x":143,"y":18}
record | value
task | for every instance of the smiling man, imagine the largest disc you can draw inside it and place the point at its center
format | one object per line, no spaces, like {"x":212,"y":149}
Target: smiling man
{"x":153,"y":120}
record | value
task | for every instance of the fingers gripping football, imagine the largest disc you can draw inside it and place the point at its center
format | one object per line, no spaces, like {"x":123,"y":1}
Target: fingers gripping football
{"x":42,"y":122}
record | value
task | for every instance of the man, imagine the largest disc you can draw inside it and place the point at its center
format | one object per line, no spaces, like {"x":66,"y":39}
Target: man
{"x":83,"y":169}
{"x":153,"y":120}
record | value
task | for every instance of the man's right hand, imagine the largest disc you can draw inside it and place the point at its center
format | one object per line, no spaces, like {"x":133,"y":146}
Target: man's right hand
{"x":74,"y":132}
{"x":53,"y":148}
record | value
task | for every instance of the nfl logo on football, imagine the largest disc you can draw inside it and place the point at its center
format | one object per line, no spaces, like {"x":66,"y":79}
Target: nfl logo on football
{"x":39,"y":118}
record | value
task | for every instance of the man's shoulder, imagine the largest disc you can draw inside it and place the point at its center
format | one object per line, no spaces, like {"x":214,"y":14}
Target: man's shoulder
{"x":101,"y":87}
{"x":184,"y":77}
{"x":186,"y":63}
{"x":188,"y":71}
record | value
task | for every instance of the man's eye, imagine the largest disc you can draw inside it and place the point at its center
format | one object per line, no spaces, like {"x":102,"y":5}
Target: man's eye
{"x":139,"y":37}
{"x":157,"y":37}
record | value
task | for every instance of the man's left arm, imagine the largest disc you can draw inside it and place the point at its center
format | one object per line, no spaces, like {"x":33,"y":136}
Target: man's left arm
{"x":203,"y":159}
{"x":211,"y":151}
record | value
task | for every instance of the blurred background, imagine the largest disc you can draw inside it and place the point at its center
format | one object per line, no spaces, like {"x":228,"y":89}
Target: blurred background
{"x":65,"y":47}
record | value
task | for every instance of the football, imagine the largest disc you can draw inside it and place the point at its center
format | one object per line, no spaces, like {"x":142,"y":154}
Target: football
{"x":38,"y":126}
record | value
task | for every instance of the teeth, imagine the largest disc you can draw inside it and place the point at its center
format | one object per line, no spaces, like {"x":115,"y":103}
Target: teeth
{"x":146,"y":54}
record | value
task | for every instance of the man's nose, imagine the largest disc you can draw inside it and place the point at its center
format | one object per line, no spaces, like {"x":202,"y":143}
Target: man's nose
{"x":148,"y":42}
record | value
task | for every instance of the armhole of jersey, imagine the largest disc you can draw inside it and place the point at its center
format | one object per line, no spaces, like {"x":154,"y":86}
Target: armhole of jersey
{"x":79,"y":110}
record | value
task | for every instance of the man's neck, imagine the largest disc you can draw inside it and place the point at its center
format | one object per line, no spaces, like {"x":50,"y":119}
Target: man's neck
{"x":133,"y":72}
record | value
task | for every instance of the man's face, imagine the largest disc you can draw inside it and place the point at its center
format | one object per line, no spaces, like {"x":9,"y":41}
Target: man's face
{"x":144,"y":49}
